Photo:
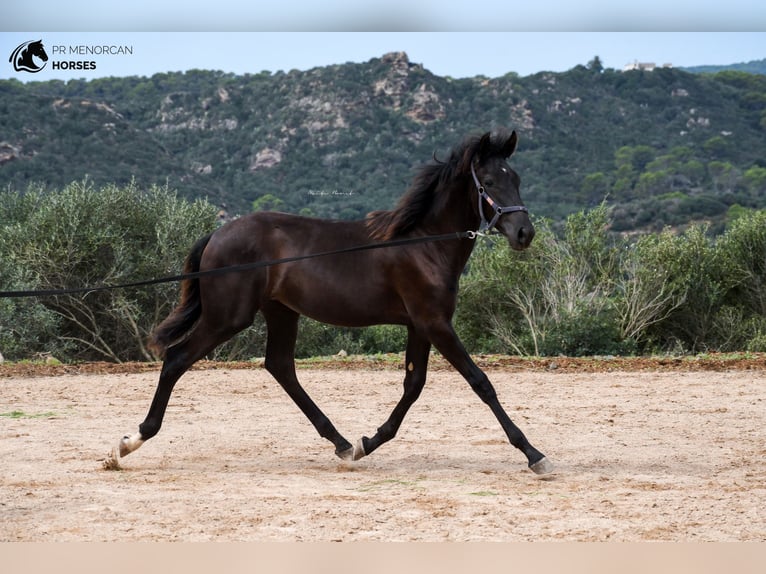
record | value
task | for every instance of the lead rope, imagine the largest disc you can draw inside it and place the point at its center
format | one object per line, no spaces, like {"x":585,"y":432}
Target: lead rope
{"x":485,"y":229}
{"x":242,"y":267}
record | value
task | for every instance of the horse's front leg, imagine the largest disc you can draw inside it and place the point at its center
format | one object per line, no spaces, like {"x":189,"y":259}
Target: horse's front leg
{"x":416,"y":365}
{"x":444,"y":338}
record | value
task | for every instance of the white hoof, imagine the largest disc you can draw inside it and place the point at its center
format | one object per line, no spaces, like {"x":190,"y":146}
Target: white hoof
{"x":359,"y":449}
{"x":542,"y":466}
{"x":127,"y":444}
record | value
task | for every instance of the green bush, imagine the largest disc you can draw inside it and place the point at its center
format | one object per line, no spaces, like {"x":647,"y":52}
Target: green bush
{"x":551,"y":299}
{"x":583,"y":333}
{"x":587,"y":291}
{"x":318,"y":339}
{"x":643,"y":294}
{"x":80,"y":237}
{"x":579,"y":290}
{"x":743,"y":246}
{"x":28,"y":329}
{"x":699,"y":276}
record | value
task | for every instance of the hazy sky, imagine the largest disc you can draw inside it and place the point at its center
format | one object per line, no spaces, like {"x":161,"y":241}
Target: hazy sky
{"x":459,"y":39}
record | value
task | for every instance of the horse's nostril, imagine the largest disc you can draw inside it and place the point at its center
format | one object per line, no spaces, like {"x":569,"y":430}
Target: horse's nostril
{"x":525,"y":235}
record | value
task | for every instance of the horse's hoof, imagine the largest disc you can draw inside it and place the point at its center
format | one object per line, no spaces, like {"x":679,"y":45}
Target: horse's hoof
{"x":347,"y":454}
{"x":123,"y":446}
{"x":352,"y":453}
{"x":542,"y":466}
{"x":129,"y":443}
{"x":359,"y":449}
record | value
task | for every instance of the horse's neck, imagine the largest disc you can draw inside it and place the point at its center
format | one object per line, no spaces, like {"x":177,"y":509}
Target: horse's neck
{"x":458,"y":214}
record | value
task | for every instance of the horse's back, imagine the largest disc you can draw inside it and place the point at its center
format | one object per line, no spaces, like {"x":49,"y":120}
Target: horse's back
{"x":275,"y":235}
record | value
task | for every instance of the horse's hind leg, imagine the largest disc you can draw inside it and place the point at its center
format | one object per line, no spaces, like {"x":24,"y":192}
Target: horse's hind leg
{"x":416,"y":365}
{"x":282,"y":325}
{"x":179,"y":358}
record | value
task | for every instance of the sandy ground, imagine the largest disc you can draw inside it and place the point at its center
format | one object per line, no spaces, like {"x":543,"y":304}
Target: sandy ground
{"x":640,"y":455}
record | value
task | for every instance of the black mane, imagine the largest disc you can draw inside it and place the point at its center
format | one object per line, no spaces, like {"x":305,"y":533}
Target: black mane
{"x":425,"y":191}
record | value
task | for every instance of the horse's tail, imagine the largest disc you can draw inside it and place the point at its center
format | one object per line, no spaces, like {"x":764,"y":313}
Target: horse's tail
{"x":184,"y":317}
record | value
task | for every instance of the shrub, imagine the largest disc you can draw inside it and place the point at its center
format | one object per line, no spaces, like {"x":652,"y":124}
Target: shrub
{"x":318,"y":339}
{"x":551,"y":299}
{"x":697,"y":273}
{"x":579,"y":290}
{"x":83,"y":236}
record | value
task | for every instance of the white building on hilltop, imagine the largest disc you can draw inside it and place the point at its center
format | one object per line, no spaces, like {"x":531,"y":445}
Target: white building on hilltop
{"x":646,"y":66}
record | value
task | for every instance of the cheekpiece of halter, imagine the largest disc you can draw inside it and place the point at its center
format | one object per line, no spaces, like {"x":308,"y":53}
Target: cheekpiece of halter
{"x":497,"y":209}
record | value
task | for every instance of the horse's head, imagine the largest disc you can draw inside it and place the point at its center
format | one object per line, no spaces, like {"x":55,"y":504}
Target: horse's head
{"x":499,"y":200}
{"x":23,"y":57}
{"x":36,"y":49}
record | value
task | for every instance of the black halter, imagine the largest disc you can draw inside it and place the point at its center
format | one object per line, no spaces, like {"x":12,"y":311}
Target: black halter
{"x":498,"y":209}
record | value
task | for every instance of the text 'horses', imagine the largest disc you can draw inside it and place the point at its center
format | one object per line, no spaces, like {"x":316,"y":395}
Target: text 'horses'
{"x":414,"y":285}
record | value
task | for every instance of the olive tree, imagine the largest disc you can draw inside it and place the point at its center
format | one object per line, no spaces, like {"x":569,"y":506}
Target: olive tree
{"x":83,"y":236}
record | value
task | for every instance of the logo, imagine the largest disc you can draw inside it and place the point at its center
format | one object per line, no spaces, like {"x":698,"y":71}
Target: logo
{"x":23,"y":57}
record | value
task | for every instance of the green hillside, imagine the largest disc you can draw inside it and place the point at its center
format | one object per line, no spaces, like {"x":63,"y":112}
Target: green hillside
{"x":665,"y":147}
{"x":751,"y":67}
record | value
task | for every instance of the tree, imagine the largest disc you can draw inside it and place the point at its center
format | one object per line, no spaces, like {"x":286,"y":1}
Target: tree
{"x":644,"y":292}
{"x":595,"y":65}
{"x":268,"y":202}
{"x":550,"y":299}
{"x":84,"y":236}
{"x":595,"y":186}
{"x":723,"y":174}
{"x":718,"y":148}
{"x":755,"y":179}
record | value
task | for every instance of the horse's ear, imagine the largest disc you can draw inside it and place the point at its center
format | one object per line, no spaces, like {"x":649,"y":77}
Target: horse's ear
{"x":485,"y":145}
{"x":510,"y":145}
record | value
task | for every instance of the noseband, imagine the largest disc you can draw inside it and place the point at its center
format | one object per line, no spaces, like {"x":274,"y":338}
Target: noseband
{"x":498,"y":209}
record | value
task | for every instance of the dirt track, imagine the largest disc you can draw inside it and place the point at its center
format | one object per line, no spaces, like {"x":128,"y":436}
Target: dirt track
{"x":651,"y":454}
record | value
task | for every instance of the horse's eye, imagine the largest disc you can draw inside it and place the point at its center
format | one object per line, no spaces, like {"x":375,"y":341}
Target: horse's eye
{"x":489,"y":182}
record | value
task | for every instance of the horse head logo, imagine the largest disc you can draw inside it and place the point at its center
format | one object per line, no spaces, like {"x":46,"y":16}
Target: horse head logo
{"x":23,"y":57}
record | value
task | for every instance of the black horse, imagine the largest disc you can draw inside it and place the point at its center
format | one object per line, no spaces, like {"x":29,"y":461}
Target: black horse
{"x":22,"y":56}
{"x":414,"y":285}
